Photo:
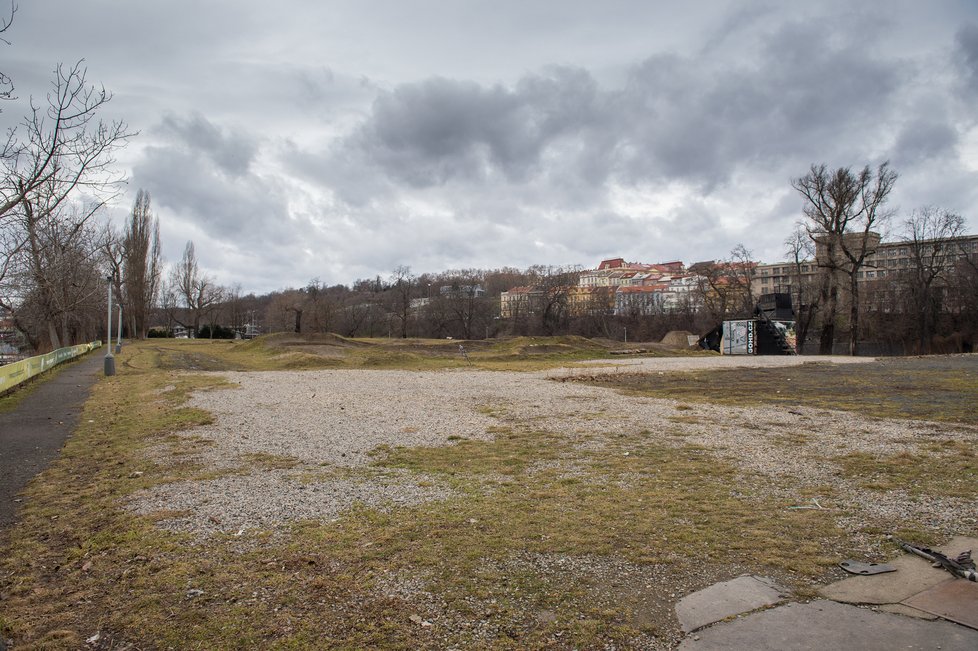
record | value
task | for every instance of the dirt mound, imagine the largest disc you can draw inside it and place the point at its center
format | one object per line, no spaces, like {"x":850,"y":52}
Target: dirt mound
{"x":677,"y":339}
{"x":291,"y":339}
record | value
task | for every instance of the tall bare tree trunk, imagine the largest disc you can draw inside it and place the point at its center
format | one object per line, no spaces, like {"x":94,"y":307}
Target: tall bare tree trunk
{"x":53,"y":336}
{"x":830,"y":303}
{"x":141,"y":261}
{"x":854,"y":316}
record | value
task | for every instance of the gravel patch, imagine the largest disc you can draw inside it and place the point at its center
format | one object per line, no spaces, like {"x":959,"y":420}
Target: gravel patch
{"x":338,"y":417}
{"x":227,"y":504}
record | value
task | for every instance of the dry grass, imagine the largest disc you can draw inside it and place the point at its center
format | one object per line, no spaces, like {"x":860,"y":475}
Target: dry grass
{"x":549,"y":541}
{"x":938,"y":389}
{"x":949,"y":468}
{"x":299,"y":352}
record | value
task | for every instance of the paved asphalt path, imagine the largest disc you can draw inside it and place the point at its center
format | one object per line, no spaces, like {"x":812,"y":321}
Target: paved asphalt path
{"x":32,"y":434}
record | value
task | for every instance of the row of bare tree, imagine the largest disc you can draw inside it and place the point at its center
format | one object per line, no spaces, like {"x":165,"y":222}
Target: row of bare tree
{"x":55,"y":258}
{"x":918,"y":299}
{"x":465,"y":305}
{"x":56,"y":175}
{"x":462,"y":304}
{"x":930,"y":295}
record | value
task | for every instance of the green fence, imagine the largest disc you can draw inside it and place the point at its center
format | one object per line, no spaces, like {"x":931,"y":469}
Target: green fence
{"x":13,"y":374}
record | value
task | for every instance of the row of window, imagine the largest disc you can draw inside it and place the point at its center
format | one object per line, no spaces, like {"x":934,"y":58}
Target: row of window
{"x":887,"y":252}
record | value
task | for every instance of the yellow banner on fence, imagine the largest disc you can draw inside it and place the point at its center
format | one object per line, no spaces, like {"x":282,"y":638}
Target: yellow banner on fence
{"x":13,"y":374}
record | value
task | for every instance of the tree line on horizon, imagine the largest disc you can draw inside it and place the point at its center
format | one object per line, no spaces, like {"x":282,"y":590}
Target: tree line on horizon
{"x":58,"y":260}
{"x":930,"y":305}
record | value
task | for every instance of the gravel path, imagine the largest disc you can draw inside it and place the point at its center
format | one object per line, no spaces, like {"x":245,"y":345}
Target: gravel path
{"x":329,"y":420}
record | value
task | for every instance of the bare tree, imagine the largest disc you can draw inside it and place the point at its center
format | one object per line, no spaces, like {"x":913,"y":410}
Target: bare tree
{"x":465,"y":305}
{"x":740,"y":272}
{"x":843,"y":209}
{"x":401,"y":290}
{"x":141,"y":264}
{"x":293,"y":302}
{"x":114,"y":259}
{"x":801,"y":253}
{"x":555,"y":284}
{"x":324,"y":303}
{"x":6,"y":83}
{"x":62,"y":147}
{"x":60,"y":151}
{"x":54,"y":282}
{"x":199,"y":294}
{"x":724,"y":288}
{"x":930,"y":237}
{"x":355,"y":314}
{"x":963,"y":295}
{"x":232,"y":310}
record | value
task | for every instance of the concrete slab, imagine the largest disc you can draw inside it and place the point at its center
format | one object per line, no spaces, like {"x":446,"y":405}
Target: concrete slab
{"x":913,"y":575}
{"x":722,"y":600}
{"x":901,"y":609}
{"x":955,"y":600}
{"x":829,"y":625}
{"x":959,"y":544}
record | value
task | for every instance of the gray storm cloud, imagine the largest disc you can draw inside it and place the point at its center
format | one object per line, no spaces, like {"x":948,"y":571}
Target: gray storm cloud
{"x":231,"y":152}
{"x":339,"y":139}
{"x":675,"y":117}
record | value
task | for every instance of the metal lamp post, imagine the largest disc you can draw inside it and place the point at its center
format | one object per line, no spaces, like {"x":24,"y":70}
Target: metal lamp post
{"x":109,"y":359}
{"x":118,"y":336}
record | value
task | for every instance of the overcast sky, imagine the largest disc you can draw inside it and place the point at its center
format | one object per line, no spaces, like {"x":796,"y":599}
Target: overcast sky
{"x":293,"y":140}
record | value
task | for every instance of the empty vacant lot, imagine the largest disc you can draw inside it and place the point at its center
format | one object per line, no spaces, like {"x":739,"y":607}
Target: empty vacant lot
{"x":461,"y":507}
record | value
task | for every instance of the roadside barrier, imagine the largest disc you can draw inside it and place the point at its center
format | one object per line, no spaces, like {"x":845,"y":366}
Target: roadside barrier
{"x":13,"y":374}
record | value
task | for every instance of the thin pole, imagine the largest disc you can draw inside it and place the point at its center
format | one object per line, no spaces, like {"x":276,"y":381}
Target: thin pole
{"x":109,"y":359}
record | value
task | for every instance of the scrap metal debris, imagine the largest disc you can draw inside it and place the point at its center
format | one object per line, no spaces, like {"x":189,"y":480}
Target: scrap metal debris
{"x":856,"y":567}
{"x":816,"y":506}
{"x":961,"y":566}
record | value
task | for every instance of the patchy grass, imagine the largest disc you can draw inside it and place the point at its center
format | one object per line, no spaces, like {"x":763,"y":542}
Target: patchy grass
{"x":300,"y":352}
{"x":936,"y":388}
{"x":949,"y":469}
{"x":674,"y":509}
{"x":519,"y":558}
{"x":62,"y":562}
{"x":638,"y":499}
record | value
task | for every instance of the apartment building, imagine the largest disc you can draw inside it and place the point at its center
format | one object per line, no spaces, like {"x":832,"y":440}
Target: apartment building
{"x":618,"y":273}
{"x":644,"y":300}
{"x":462,"y":291}
{"x":520,"y":301}
{"x":886,"y":259}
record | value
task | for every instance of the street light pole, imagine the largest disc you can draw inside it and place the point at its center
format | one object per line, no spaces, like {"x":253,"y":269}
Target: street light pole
{"x":109,"y":359}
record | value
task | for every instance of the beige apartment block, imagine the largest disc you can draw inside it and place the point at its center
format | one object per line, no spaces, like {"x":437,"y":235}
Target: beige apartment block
{"x":886,"y":260}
